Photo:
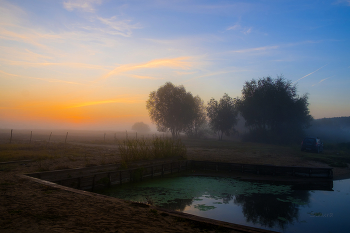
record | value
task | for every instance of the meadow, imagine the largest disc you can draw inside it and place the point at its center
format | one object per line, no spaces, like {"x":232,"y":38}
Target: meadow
{"x":91,"y":148}
{"x":31,"y":207}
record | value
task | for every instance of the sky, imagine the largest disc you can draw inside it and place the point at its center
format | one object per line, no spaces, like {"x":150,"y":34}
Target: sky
{"x":91,"y":64}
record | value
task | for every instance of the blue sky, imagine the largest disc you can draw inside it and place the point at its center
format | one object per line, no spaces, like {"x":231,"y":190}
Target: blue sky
{"x":93,"y":63}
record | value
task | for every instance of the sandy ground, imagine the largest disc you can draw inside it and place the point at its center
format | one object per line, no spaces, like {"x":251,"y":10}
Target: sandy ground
{"x":27,"y":206}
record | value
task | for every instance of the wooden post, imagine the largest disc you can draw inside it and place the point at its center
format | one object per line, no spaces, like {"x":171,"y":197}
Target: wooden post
{"x":11,"y":136}
{"x":65,"y":141}
{"x":50,"y":136}
{"x":31,"y":134}
{"x":126,"y":134}
{"x":104,"y":137}
{"x":136,"y":135}
{"x":120,"y":177}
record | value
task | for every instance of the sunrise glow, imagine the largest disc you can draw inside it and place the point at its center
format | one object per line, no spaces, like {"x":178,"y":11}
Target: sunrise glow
{"x":92,"y":64}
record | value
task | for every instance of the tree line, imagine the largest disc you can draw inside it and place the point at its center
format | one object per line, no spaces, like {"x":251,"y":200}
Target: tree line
{"x":272,"y":110}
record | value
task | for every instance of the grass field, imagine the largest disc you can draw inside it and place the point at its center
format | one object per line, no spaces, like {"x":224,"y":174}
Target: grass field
{"x":98,"y":147}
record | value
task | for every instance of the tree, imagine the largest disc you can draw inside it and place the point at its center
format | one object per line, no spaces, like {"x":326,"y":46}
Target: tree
{"x":199,"y":119}
{"x":171,"y":108}
{"x":141,"y":127}
{"x":222,"y":115}
{"x":273,"y":111}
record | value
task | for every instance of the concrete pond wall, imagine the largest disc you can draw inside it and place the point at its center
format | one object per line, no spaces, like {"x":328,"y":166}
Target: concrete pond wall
{"x":92,"y":178}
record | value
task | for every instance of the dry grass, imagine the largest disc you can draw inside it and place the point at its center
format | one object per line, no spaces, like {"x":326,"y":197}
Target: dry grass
{"x":150,"y":148}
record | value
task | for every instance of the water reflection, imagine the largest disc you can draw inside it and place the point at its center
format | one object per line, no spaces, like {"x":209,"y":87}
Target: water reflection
{"x":272,"y":210}
{"x":263,"y":205}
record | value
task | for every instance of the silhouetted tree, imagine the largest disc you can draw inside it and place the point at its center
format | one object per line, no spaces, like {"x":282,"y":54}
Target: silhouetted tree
{"x":222,"y":115}
{"x":195,"y":129}
{"x":141,"y":127}
{"x":273,"y":111}
{"x":171,"y":108}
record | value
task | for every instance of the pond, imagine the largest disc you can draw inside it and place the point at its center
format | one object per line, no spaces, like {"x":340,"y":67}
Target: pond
{"x":265,"y":205}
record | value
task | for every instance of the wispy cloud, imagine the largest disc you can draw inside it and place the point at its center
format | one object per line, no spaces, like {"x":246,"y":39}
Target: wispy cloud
{"x":22,"y":34}
{"x":310,"y":73}
{"x":63,"y":64}
{"x":119,"y":100}
{"x":256,"y":49}
{"x":143,"y":77}
{"x":83,"y":5}
{"x":174,"y":63}
{"x":247,"y":31}
{"x":118,"y":27}
{"x":237,"y":26}
{"x":211,"y":74}
{"x":322,"y":80}
{"x":185,"y":73}
{"x":347,"y":2}
{"x":234,"y":27}
{"x":51,"y":80}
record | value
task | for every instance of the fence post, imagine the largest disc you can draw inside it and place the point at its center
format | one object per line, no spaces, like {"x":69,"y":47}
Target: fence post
{"x":65,"y":141}
{"x":11,"y":136}
{"x":50,"y":136}
{"x":30,"y":140}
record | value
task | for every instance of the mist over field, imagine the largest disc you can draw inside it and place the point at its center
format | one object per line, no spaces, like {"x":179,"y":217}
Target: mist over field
{"x":331,"y":130}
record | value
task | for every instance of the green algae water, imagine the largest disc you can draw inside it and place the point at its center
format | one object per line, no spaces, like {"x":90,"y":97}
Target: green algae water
{"x":263,"y":205}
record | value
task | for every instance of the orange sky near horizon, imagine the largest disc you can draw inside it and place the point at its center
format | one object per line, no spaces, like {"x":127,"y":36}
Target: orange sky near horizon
{"x":92,"y":64}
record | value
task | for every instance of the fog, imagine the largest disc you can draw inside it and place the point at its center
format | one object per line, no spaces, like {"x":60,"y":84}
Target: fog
{"x":331,"y":130}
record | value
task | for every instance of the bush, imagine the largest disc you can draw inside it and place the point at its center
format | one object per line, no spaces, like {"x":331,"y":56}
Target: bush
{"x":155,"y":148}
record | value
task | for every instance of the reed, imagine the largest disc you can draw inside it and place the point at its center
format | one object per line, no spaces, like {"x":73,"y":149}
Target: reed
{"x":150,"y":148}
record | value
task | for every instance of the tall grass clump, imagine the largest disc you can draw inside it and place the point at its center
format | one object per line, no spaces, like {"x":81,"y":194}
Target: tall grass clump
{"x":151,"y":148}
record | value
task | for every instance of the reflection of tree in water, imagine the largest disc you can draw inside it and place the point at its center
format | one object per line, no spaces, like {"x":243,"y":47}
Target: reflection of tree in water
{"x":268,"y":211}
{"x":226,"y":198}
{"x":177,"y":204}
